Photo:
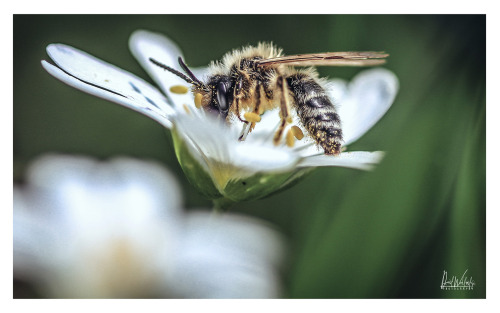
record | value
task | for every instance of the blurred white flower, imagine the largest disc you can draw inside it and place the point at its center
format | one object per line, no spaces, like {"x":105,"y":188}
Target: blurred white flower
{"x":214,"y":160}
{"x":89,"y":229}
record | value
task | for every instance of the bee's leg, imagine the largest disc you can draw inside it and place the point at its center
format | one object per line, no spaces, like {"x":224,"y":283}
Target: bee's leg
{"x":256,"y":109}
{"x":316,"y":112}
{"x":237,"y":108}
{"x":244,"y":132}
{"x":254,"y":117}
{"x":284,"y":109}
{"x":237,"y":95}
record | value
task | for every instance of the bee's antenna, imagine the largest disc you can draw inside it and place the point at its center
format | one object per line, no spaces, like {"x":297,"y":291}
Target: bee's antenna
{"x":188,"y":71}
{"x":194,"y":81}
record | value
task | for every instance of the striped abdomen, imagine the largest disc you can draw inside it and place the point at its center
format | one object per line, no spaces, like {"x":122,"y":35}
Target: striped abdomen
{"x":316,"y":112}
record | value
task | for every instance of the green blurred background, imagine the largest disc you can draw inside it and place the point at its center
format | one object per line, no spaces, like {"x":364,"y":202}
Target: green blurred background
{"x":389,"y":233}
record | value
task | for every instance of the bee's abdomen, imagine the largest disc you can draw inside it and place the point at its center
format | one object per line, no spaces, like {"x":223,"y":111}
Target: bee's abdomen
{"x":316,"y":112}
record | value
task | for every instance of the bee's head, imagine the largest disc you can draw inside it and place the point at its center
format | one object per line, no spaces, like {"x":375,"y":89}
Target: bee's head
{"x":217,"y":94}
{"x":221,"y":95}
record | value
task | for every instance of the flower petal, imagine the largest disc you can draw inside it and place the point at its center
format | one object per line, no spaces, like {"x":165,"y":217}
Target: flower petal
{"x":145,"y":45}
{"x":89,"y":229}
{"x":241,"y":254}
{"x":146,"y":185}
{"x":260,"y":158}
{"x":97,"y":223}
{"x":29,"y":229}
{"x":357,"y":159}
{"x":366,"y":99}
{"x":214,"y":141}
{"x":89,"y":74}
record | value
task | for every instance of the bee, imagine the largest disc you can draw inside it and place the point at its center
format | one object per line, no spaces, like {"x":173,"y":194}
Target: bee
{"x":254,"y":80}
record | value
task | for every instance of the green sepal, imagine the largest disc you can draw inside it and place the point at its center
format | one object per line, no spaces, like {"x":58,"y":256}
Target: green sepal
{"x":226,"y":190}
{"x":261,"y":185}
{"x":194,"y":172}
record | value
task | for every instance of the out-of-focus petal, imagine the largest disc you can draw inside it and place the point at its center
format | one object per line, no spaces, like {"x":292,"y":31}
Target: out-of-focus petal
{"x":106,"y":217}
{"x":88,"y":229}
{"x":369,"y":95}
{"x":29,"y":232}
{"x":148,"y":184}
{"x":241,"y":255}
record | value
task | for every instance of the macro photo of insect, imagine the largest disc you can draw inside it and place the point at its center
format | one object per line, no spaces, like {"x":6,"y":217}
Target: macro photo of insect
{"x":257,"y":79}
{"x":317,"y":160}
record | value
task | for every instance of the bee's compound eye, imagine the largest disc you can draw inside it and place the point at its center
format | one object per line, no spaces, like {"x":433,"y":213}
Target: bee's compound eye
{"x":222,"y":96}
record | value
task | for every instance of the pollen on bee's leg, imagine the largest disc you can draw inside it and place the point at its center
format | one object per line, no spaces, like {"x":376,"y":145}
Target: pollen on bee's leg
{"x":297,"y":132}
{"x":186,"y":108}
{"x":179,"y":89}
{"x":252,"y":117}
{"x":197,"y":100}
{"x":290,"y":138}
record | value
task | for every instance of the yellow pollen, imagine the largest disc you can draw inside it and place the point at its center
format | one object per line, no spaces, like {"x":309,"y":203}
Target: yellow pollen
{"x":252,"y":117}
{"x":186,"y":108}
{"x":297,"y":132}
{"x":179,"y":89}
{"x":197,"y":100}
{"x":289,"y":120}
{"x":290,"y":138}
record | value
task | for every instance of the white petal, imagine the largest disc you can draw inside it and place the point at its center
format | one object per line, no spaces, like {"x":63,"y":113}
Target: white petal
{"x":29,"y":231}
{"x":239,"y":253}
{"x":82,"y":229}
{"x":145,"y":45}
{"x":80,"y":189}
{"x":261,"y":158}
{"x":89,"y":74}
{"x":337,"y":89}
{"x":265,"y":129}
{"x":212,"y":141}
{"x":96,"y":210}
{"x":357,"y":159}
{"x":368,"y":97}
{"x":146,"y":185}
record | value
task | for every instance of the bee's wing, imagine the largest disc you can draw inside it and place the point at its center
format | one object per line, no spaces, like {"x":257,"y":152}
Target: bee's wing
{"x":145,"y":45}
{"x":94,"y":76}
{"x":352,"y":58}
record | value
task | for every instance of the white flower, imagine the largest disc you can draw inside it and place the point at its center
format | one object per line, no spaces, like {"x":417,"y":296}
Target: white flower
{"x":214,"y":160}
{"x":85,"y":229}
